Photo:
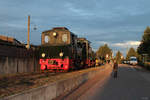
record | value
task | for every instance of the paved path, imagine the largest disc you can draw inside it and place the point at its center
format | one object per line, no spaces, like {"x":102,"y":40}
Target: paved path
{"x":131,"y":84}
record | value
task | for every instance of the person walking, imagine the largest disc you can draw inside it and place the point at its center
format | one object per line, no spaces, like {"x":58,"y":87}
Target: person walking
{"x":115,"y":69}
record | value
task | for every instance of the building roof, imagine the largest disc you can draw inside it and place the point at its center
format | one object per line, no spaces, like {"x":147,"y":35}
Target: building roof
{"x":9,"y":40}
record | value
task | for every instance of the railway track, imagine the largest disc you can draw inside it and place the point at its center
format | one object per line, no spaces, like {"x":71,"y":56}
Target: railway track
{"x":20,"y":82}
{"x":13,"y":84}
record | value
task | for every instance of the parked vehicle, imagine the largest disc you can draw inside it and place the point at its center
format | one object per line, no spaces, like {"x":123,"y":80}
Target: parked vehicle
{"x":133,"y":60}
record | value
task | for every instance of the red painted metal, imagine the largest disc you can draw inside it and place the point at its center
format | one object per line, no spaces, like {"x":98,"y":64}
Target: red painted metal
{"x":63,"y":64}
{"x":90,"y":63}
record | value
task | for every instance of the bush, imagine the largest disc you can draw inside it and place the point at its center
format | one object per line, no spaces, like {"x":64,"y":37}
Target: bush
{"x":146,"y":65}
{"x":140,"y":64}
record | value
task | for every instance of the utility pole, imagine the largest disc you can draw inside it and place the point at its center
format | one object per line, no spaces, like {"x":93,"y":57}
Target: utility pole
{"x":28,"y":41}
{"x":127,"y":51}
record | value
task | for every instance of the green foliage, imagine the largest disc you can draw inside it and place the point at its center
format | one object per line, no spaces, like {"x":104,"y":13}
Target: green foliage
{"x":118,"y":57}
{"x":144,"y":47}
{"x":131,"y":52}
{"x":103,"y":51}
{"x":145,"y":65}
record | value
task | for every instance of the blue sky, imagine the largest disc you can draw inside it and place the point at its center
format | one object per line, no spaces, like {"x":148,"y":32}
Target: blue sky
{"x":119,"y":23}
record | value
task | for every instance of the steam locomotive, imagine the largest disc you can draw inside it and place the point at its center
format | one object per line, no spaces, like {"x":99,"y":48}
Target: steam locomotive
{"x":62,"y":50}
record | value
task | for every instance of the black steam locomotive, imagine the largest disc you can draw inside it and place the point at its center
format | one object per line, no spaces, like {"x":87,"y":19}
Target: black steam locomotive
{"x":63,"y":50}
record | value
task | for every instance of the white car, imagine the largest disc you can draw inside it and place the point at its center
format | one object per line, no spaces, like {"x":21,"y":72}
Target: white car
{"x":133,"y":61}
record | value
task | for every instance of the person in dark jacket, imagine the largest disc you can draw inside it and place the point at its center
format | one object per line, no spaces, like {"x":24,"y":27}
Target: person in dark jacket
{"x":115,"y":68}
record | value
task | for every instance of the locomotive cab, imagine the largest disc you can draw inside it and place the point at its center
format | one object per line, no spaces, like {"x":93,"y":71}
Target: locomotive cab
{"x":56,"y":36}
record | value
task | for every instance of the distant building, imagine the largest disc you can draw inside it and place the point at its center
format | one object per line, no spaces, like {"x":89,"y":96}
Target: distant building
{"x":5,"y":40}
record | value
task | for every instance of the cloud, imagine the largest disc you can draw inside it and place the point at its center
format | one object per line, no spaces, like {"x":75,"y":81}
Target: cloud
{"x":127,"y":44}
{"x":77,"y":11}
{"x":101,"y":42}
{"x":116,"y":23}
{"x":115,"y":46}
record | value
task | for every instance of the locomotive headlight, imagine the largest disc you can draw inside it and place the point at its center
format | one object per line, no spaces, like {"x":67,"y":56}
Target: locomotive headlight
{"x":61,"y":54}
{"x":54,"y":34}
{"x":43,"y":55}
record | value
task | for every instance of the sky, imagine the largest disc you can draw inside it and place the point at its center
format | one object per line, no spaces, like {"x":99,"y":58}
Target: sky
{"x":118,"y":23}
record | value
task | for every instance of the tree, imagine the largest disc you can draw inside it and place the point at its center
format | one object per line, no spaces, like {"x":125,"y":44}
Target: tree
{"x":131,"y":52}
{"x":144,"y":47}
{"x":104,"y":51}
{"x":118,"y":57}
